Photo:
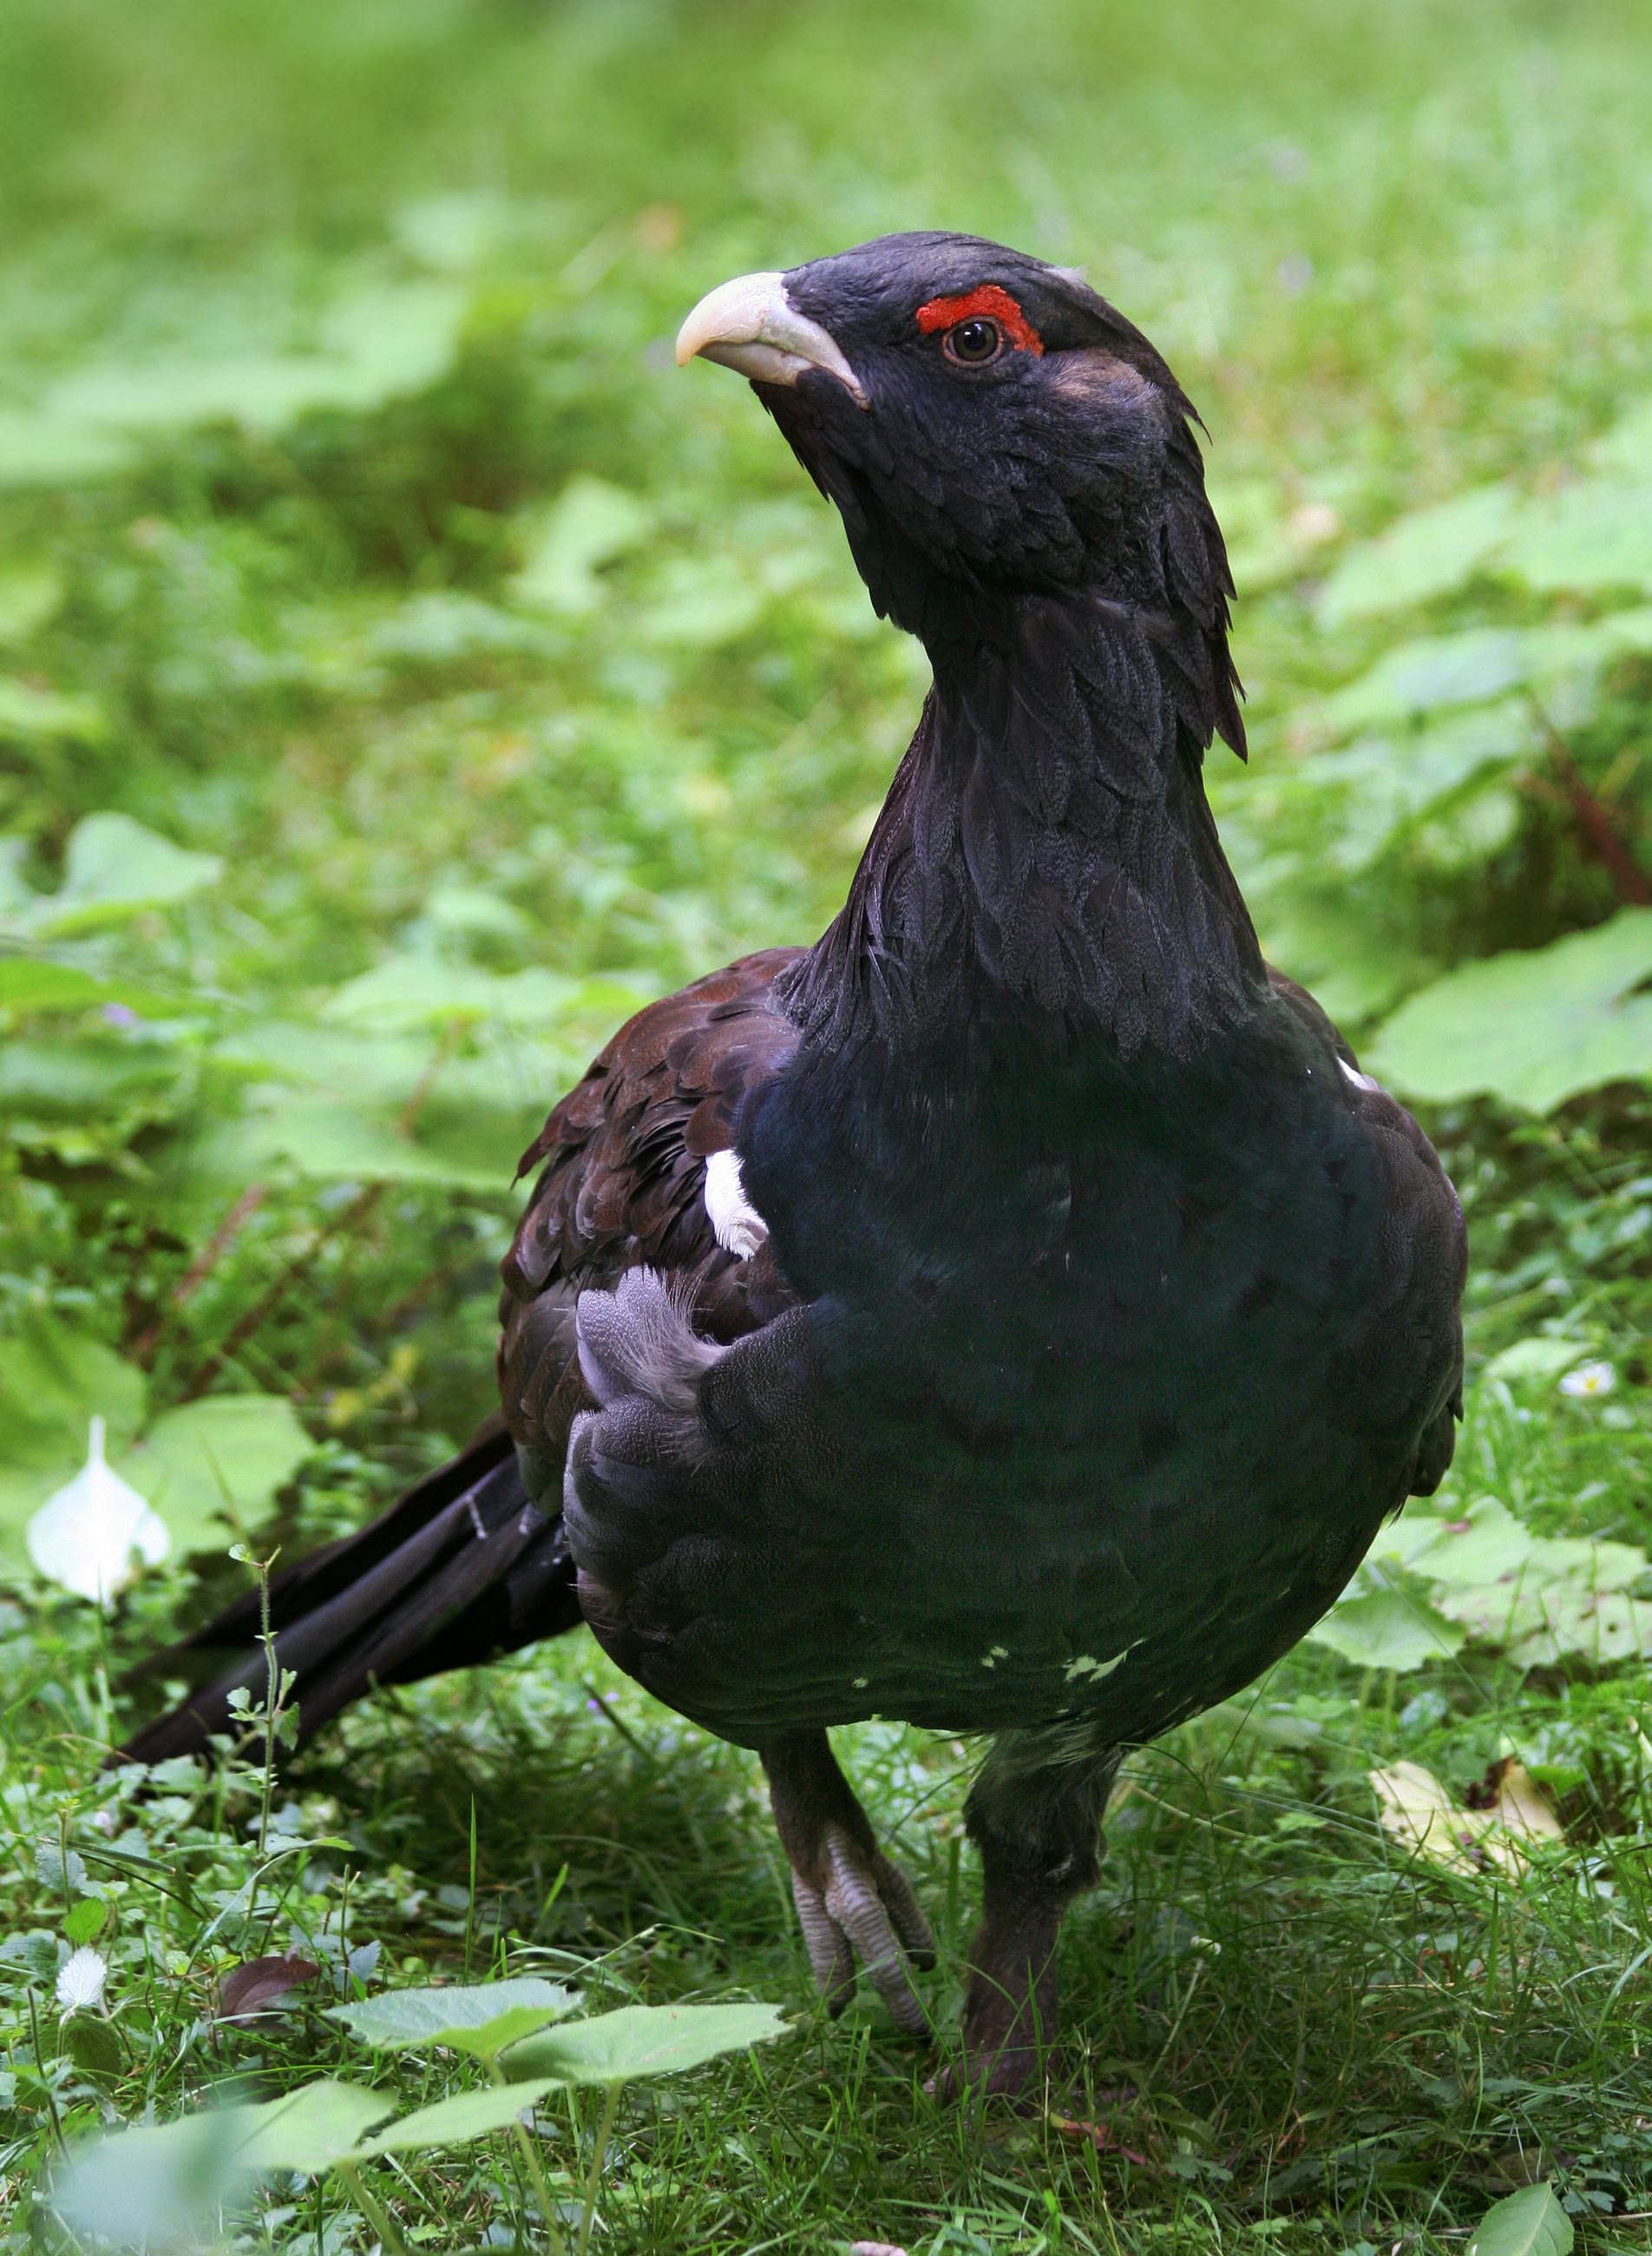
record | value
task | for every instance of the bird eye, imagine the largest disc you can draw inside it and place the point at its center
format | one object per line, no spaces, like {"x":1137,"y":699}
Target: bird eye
{"x":974,"y":343}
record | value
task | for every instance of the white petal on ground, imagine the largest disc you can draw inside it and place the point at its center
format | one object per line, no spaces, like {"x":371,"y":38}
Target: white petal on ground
{"x":80,"y":1979}
{"x":84,"y":1537}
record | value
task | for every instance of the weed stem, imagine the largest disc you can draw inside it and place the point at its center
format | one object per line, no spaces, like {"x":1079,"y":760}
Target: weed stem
{"x":610,"y":2108}
{"x":378,"y":2217}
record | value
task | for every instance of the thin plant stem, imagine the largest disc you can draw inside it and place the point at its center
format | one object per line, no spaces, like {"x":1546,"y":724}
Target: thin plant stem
{"x":470,"y":1907}
{"x":611,"y":2107}
{"x":272,"y":1701}
{"x":1181,"y":2015}
{"x":530,"y":2155}
{"x":295,"y":1272}
{"x":378,"y":2217}
{"x":524,"y":2139}
{"x":45,"y":2081}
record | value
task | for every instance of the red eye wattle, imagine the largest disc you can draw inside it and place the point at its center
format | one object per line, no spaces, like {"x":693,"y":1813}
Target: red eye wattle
{"x":989,"y":303}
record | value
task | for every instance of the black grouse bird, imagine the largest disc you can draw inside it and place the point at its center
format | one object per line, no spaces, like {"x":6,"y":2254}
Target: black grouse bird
{"x":1016,"y":1313}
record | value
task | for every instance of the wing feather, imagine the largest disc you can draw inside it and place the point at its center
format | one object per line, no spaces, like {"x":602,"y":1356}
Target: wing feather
{"x":622,"y":1182}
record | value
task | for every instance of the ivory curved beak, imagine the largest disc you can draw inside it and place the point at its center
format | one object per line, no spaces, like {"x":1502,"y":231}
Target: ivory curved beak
{"x":750,"y":324}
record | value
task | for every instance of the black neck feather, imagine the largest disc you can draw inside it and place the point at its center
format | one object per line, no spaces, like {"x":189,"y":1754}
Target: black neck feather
{"x":1047,"y":853}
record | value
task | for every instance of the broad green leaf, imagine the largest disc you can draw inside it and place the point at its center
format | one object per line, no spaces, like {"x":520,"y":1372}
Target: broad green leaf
{"x":1431,"y":674}
{"x":453,"y":232}
{"x":589,"y":524}
{"x":1529,"y":2223}
{"x":395,"y":339}
{"x":85,"y":1921}
{"x":383,"y":344}
{"x":467,"y":2115}
{"x":1567,"y":1595}
{"x":418,"y":989}
{"x":365,"y":1065}
{"x":343,"y":1142}
{"x":1395,"y":783}
{"x":335,"y":1103}
{"x":482,"y":2020}
{"x":30,"y":595}
{"x":1321,"y":939}
{"x":54,"y":1380}
{"x":1385,"y":1628}
{"x":1581,"y":1563}
{"x":226,"y":1453}
{"x":1595,"y":534}
{"x":94,"y":2047}
{"x":263,"y":392}
{"x":155,"y":2186}
{"x":157,"y":2183}
{"x":473,"y":909}
{"x":441,"y":627}
{"x":1536,"y":1358}
{"x":43,"y":449}
{"x":1488,"y":1541}
{"x":1602,"y":1629}
{"x":28,"y":713}
{"x":309,"y":2129}
{"x":1421,"y":556}
{"x":1437,"y":671}
{"x":1398,"y":1541}
{"x":113,"y":867}
{"x":642,"y":2040}
{"x":1534,"y":1026}
{"x":1626,"y":448}
{"x":35,"y":983}
{"x":701,"y":602}
{"x":80,"y":1076}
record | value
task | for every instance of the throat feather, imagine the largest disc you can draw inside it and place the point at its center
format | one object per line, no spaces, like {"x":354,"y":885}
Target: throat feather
{"x":1046,"y":854}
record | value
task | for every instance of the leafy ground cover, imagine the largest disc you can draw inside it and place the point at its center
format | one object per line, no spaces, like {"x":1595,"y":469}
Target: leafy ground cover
{"x":405,"y":671}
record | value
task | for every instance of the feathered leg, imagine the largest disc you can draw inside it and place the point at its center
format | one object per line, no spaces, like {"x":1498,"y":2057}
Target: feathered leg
{"x":1035,"y":1813}
{"x":851,"y":1900}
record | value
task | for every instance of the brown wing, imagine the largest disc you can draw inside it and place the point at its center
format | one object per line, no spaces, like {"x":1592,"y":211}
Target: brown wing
{"x":623,"y":1184}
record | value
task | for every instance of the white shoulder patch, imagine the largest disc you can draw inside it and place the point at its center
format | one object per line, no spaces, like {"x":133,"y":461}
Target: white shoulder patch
{"x":1359,"y":1080}
{"x":739,"y":1228}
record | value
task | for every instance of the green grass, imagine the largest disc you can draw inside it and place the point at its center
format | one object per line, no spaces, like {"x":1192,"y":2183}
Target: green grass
{"x":1391,"y":253}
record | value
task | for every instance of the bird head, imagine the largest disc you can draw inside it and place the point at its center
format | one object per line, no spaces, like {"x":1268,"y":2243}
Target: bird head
{"x":990,"y":427}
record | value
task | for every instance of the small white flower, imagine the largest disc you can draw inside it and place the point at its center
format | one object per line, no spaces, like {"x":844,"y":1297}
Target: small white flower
{"x":1590,"y":1378}
{"x":80,"y":1979}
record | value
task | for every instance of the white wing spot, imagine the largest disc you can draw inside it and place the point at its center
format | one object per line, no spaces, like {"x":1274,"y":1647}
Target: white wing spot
{"x":1092,"y":1671}
{"x":1359,"y":1080}
{"x":738,"y":1226}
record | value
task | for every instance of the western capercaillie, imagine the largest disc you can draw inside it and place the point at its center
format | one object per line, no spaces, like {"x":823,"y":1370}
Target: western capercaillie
{"x":1016,"y":1312}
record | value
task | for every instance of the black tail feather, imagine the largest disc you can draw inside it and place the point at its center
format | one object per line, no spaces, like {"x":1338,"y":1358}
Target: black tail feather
{"x":462,"y":1568}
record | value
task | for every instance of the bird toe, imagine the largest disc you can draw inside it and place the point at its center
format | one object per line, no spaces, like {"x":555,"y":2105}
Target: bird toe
{"x":857,"y":1907}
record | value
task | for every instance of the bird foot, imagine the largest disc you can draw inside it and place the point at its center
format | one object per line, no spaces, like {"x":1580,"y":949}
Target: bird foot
{"x":1012,"y":2010}
{"x":852,"y":1902}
